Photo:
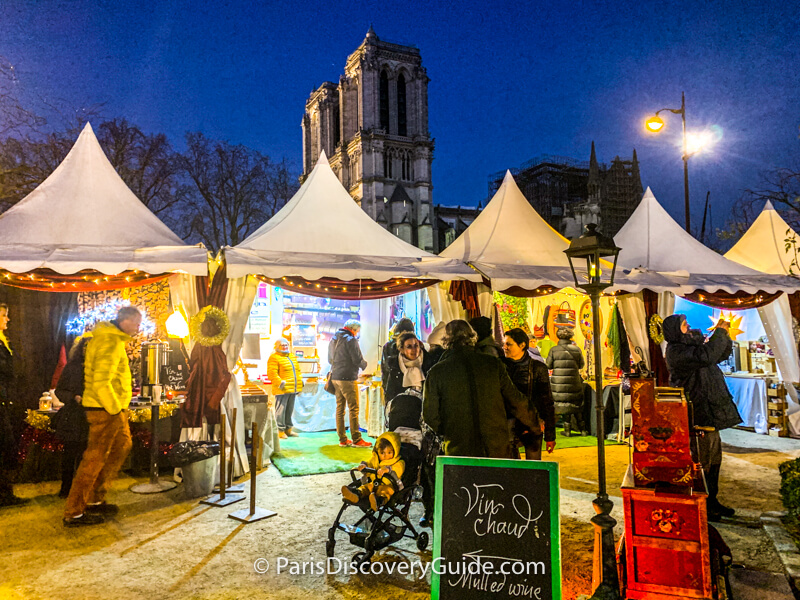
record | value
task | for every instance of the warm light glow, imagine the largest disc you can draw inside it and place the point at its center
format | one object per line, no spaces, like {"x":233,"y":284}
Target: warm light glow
{"x":654,"y":124}
{"x":177,"y":326}
{"x":735,"y":321}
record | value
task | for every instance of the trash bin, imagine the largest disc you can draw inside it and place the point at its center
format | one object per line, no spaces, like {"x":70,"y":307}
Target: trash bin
{"x":200,"y":465}
{"x":200,"y":477}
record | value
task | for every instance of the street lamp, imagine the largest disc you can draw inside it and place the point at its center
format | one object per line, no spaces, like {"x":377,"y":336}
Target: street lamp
{"x":654,"y":125}
{"x":594,"y":248}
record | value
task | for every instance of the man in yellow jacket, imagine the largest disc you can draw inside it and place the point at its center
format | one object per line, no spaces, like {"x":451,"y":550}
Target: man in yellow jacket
{"x":106,"y":396}
{"x":284,"y":373}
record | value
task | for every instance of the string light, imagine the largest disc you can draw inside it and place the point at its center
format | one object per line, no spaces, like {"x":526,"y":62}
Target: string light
{"x":105,"y":312}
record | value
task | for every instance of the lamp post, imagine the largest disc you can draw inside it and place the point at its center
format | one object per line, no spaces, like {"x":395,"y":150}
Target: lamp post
{"x":654,"y":125}
{"x":592,"y":247}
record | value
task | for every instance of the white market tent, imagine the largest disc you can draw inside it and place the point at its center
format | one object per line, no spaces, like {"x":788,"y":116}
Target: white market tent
{"x":762,"y":247}
{"x":322,"y":232}
{"x":652,"y":241}
{"x":83,"y":216}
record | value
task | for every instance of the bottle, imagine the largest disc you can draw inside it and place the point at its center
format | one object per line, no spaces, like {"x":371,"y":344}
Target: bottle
{"x":45,"y":401}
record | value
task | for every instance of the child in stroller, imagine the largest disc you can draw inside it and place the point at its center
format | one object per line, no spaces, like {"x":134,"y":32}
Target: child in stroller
{"x":388,"y":467}
{"x":384,"y":523}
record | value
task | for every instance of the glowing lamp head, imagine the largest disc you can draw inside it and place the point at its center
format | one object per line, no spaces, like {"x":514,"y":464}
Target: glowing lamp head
{"x":177,"y":326}
{"x":654,"y":124}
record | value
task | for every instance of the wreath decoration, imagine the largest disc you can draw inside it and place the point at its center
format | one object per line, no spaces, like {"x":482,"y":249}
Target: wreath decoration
{"x":210,"y":326}
{"x":655,"y":329}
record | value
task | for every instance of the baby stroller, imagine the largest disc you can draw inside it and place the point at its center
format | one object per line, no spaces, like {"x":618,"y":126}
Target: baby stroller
{"x":376,"y":529}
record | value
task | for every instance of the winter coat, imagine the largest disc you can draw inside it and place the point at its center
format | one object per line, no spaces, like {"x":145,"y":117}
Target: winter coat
{"x":106,"y":370}
{"x":8,"y":445}
{"x":692,"y":364}
{"x":404,"y":410}
{"x":344,"y":356}
{"x":450,"y":404}
{"x":396,"y":464}
{"x":392,"y":376}
{"x":565,"y":359}
{"x":489,"y":346}
{"x":283,"y":368}
{"x":531,"y":378}
{"x":70,"y":422}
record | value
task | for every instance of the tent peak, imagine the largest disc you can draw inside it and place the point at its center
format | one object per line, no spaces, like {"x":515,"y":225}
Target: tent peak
{"x":323,"y":159}
{"x":648,"y":194}
{"x":768,"y":205}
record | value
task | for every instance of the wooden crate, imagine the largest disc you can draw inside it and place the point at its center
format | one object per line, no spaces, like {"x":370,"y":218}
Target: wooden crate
{"x":777,"y":405}
{"x":666,"y":549}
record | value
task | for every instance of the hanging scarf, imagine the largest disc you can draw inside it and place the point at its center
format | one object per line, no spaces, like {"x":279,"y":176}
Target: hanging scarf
{"x":412,"y":371}
{"x":4,"y":341}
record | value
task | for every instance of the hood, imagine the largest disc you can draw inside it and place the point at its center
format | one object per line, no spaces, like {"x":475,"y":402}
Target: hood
{"x":343,"y":333}
{"x":394,"y":440}
{"x":672,"y":328}
{"x":108,"y":328}
{"x":436,"y":338}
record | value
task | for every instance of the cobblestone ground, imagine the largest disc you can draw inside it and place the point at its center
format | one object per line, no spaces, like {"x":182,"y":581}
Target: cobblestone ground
{"x":162,"y":546}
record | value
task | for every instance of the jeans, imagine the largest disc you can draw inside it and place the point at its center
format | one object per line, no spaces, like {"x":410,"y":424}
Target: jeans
{"x":107,"y":448}
{"x":346,"y":393}
{"x":284,"y":407}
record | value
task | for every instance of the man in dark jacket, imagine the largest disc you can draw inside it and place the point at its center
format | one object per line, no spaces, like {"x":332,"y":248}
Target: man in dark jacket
{"x":565,"y":360}
{"x":469,"y":397}
{"x":486,"y":343}
{"x":692,"y":363}
{"x":344,"y":356}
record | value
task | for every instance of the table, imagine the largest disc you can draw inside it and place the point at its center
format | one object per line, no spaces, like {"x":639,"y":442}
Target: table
{"x":750,"y":395}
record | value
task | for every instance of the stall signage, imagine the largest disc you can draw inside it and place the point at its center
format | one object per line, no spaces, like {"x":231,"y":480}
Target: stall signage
{"x":174,"y":376}
{"x":497,"y":529}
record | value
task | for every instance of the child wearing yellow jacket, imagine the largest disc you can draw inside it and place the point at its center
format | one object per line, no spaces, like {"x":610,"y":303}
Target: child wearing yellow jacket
{"x":386,"y":460}
{"x":284,"y":373}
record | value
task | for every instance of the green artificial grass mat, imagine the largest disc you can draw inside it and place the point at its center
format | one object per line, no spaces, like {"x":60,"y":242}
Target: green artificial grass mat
{"x":315,"y":453}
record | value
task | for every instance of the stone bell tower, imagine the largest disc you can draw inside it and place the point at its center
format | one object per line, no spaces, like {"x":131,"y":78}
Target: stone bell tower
{"x":373,"y":126}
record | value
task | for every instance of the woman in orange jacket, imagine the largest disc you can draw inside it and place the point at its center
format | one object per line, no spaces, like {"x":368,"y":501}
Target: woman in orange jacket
{"x":284,"y":373}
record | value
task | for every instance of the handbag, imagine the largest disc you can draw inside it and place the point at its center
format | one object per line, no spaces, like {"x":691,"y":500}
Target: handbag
{"x":539,"y":331}
{"x":565,"y":316}
{"x":329,"y":385}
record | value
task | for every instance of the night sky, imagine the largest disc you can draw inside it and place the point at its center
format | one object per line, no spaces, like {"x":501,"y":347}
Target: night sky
{"x":509,"y":81}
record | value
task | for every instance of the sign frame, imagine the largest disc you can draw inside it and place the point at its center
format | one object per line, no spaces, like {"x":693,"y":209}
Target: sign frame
{"x":554,"y":502}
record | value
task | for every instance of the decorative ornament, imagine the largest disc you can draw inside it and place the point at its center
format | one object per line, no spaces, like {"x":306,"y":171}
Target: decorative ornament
{"x":38,"y":421}
{"x":735,"y":321}
{"x":585,"y":320}
{"x":210,"y":326}
{"x":655,"y":329}
{"x":143,"y":415}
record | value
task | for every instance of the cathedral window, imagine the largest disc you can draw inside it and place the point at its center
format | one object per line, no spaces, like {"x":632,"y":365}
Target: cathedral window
{"x":337,"y":131}
{"x":384,"y":101}
{"x":387,"y":165}
{"x":402,"y":122}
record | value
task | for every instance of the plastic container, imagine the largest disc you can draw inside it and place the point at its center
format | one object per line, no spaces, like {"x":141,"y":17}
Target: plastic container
{"x":200,"y":477}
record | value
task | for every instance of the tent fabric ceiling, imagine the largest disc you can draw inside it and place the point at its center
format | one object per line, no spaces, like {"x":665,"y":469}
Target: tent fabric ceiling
{"x":322,"y":232}
{"x":83,"y":216}
{"x":654,"y":245}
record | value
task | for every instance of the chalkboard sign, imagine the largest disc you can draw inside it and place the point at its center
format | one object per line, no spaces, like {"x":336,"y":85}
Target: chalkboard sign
{"x":497,"y":529}
{"x":174,"y":376}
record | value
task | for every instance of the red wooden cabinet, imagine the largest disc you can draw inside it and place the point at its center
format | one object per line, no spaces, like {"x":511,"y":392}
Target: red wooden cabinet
{"x":666,"y":549}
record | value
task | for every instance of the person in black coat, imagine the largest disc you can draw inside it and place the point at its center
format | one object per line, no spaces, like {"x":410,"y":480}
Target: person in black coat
{"x":403,"y":368}
{"x":70,"y":421}
{"x":345,"y":358}
{"x":692,"y":363}
{"x":8,"y":444}
{"x":531,"y":378}
{"x":389,"y":352}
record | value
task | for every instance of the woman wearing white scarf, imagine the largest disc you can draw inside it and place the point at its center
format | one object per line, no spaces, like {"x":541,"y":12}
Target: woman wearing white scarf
{"x":412,"y":368}
{"x":407,"y":369}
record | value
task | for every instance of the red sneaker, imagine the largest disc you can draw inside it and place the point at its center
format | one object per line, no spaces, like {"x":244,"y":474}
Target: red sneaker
{"x":362,"y":443}
{"x":345,"y":443}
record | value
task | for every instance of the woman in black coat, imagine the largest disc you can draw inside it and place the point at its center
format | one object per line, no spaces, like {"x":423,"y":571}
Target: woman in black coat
{"x":565,"y":359}
{"x":416,"y":362}
{"x":71,"y":425}
{"x":692,"y":363}
{"x":531,"y":378}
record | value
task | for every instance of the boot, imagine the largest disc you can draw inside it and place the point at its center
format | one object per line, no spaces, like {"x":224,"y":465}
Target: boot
{"x":291,"y":432}
{"x":282,"y":435}
{"x":715,"y":508}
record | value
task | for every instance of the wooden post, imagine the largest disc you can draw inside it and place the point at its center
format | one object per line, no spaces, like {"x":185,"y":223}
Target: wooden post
{"x":221,"y":499}
{"x":233,"y":448}
{"x":254,"y":513}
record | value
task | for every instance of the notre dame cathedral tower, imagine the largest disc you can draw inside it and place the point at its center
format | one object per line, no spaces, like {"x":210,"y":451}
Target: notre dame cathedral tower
{"x":373,"y":126}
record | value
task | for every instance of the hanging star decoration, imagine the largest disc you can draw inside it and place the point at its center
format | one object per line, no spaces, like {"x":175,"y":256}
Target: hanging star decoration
{"x":735,"y":321}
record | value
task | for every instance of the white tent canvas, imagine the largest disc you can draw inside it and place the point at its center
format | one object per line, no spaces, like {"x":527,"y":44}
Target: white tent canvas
{"x":652,"y":241}
{"x":322,"y":232}
{"x":83,"y":216}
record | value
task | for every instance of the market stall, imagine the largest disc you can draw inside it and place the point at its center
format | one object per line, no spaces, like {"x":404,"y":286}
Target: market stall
{"x":83,"y":233}
{"x":322,"y":259}
{"x":652,"y":241}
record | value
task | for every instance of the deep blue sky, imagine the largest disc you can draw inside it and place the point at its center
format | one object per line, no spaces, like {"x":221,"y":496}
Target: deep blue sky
{"x":509,"y":81}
